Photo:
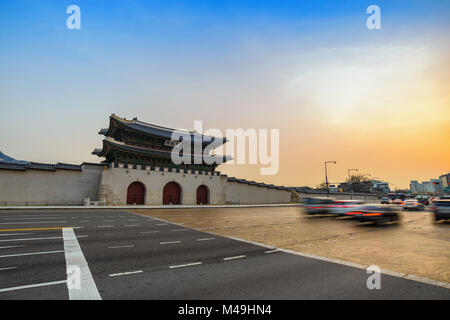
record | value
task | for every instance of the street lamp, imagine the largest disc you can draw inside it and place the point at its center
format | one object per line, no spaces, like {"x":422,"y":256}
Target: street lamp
{"x":349,"y":179}
{"x":326,"y":176}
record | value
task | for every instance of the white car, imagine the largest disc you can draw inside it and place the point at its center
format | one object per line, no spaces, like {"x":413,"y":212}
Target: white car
{"x":341,"y":207}
{"x":413,"y":204}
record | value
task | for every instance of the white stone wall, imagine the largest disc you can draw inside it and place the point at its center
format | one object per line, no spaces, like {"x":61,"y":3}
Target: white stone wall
{"x":240,"y":193}
{"x":60,"y":187}
{"x":115,"y":181}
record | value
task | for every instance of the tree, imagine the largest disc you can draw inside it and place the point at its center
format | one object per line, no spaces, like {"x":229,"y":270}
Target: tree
{"x":359,"y":183}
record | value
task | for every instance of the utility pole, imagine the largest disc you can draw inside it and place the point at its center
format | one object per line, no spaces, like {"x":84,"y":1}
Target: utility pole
{"x":326,"y":176}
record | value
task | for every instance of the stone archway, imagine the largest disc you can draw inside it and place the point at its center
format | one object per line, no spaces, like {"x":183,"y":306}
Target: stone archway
{"x":202,"y":194}
{"x":172,"y":193}
{"x":136,"y":193}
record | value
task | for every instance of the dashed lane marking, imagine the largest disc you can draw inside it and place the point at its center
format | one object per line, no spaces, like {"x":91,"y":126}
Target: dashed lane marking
{"x":118,"y":247}
{"x":205,"y":239}
{"x":170,"y":242}
{"x":235,"y":257}
{"x":185,"y":265}
{"x":125,"y":273}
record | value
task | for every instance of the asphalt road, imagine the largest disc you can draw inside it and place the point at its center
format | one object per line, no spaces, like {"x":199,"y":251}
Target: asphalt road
{"x":136,"y":257}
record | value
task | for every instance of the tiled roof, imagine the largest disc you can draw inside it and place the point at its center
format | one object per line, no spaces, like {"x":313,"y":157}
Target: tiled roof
{"x":259,"y":184}
{"x":12,"y":166}
{"x":23,"y":166}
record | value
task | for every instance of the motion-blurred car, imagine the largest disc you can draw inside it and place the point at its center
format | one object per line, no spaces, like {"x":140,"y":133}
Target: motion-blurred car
{"x":413,"y":204}
{"x":424,"y":200}
{"x":441,"y":209}
{"x":317,"y":205}
{"x":375,"y":213}
{"x":341,"y":207}
{"x":385,"y":200}
{"x":398,"y":201}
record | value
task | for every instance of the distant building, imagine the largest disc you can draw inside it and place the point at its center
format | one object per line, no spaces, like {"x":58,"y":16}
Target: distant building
{"x":431,"y":187}
{"x":380,"y":186}
{"x":445,"y":182}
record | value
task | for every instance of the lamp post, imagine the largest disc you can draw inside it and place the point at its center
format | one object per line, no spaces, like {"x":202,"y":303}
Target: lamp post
{"x":349,"y":179}
{"x":326,"y":176}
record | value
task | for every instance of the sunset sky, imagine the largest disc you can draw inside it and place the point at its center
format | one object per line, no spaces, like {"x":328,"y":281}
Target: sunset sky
{"x":376,"y":100}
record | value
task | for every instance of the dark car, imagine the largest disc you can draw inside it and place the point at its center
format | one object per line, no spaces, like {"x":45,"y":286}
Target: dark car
{"x":385,"y":200}
{"x":441,"y":209}
{"x":376,"y":213}
{"x":317,"y":205}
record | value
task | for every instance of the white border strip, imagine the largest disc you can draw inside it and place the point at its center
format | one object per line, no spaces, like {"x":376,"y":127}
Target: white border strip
{"x":307,"y":255}
{"x":74,"y":257}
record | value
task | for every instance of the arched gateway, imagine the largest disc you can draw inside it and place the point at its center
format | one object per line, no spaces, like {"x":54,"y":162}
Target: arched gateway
{"x":172,"y":193}
{"x":136,"y":193}
{"x":202,"y":195}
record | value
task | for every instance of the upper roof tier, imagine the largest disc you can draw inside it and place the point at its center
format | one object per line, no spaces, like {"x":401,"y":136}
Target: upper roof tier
{"x":149,"y":129}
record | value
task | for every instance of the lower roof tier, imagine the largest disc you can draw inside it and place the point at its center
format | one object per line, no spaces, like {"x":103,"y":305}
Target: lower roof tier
{"x":112,"y":149}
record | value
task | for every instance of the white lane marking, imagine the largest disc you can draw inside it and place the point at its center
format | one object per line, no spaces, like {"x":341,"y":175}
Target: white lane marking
{"x":8,"y":247}
{"x":131,"y":225}
{"x":180,"y":230}
{"x":235,"y":257}
{"x":14,"y":234}
{"x":149,"y":231}
{"x":46,"y":218}
{"x":169,"y":242}
{"x":132,"y":219}
{"x":125,"y":273}
{"x":126,"y":246}
{"x":185,"y":265}
{"x":74,"y":257}
{"x":162,"y":224}
{"x":17,"y":216}
{"x":33,"y":222}
{"x":205,"y":239}
{"x":33,"y":286}
{"x":9,"y":268}
{"x":29,"y":239}
{"x":105,"y":226}
{"x":272,"y":251}
{"x":47,"y":238}
{"x":30,"y":253}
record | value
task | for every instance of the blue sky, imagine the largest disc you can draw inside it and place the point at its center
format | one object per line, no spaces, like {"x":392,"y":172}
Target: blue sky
{"x":173,"y":62}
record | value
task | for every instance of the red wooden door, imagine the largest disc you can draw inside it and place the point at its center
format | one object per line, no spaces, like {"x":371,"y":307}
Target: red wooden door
{"x":172,"y":194}
{"x":202,"y":195}
{"x":135,"y":193}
